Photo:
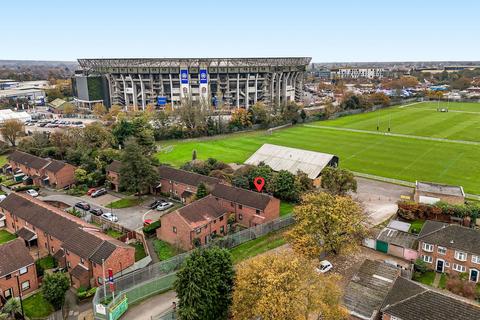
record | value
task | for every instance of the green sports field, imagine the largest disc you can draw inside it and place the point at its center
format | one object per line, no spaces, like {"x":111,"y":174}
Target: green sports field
{"x":361,"y":148}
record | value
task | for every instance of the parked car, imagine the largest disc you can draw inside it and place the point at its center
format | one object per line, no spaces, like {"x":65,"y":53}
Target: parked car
{"x":324,"y":266}
{"x":156,"y":203}
{"x":164,"y":206}
{"x":109,"y":217}
{"x":147,"y":222}
{"x":96,"y":211}
{"x":32,"y":192}
{"x":82,"y":205}
{"x":90,"y":191}
{"x":99,"y":192}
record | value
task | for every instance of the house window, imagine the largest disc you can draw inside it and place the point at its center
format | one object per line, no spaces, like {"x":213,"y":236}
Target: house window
{"x":460,"y":256}
{"x":82,"y":261}
{"x":427,"y":247}
{"x":23,"y":270}
{"x":221,"y":218}
{"x":8,"y":276}
{"x":222,"y":229}
{"x":69,"y":265}
{"x":442,"y":250}
{"x":447,"y":265}
{"x":174,"y":229}
{"x":25,"y":285}
{"x":459,"y":267}
{"x":240,"y":216}
{"x":240,"y":206}
{"x":257,"y":211}
{"x":67,"y":252}
{"x":476,"y":259}
{"x":231,"y":204}
{"x":198,"y":230}
{"x":7,"y":293}
{"x":427,"y":259}
{"x":214,"y":221}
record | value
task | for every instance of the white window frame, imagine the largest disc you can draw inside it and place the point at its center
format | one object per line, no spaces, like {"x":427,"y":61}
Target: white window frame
{"x":27,"y":286}
{"x":23,"y":270}
{"x":427,"y":259}
{"x":426,"y":247}
{"x":476,"y":259}
{"x":459,"y":268}
{"x":459,"y":253}
{"x":442,"y":250}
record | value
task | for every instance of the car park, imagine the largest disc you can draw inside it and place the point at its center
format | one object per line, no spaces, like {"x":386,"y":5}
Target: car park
{"x":164,"y":206}
{"x":99,"y":192}
{"x":96,"y":211}
{"x":82,"y":205}
{"x":90,"y":191}
{"x":324,"y":266}
{"x":32,"y":192}
{"x":156,"y":203}
{"x":109,"y":217}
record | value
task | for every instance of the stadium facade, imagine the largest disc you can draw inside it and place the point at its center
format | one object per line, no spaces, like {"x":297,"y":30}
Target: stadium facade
{"x":235,"y":82}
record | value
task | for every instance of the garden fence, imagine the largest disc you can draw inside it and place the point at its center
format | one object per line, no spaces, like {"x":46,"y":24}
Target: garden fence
{"x":159,"y":277}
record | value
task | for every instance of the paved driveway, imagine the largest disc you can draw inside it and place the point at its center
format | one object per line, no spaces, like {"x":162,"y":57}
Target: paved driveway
{"x":379,"y":198}
{"x":102,"y":200}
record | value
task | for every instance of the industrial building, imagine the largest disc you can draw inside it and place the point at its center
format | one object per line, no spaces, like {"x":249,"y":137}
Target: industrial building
{"x":356,"y":73}
{"x":235,"y":82}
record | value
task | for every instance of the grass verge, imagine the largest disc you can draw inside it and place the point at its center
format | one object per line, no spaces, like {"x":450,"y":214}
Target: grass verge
{"x":36,"y":306}
{"x":163,"y":249}
{"x":6,"y":236}
{"x":124,"y":203}
{"x":139,"y":251}
{"x":260,"y":245}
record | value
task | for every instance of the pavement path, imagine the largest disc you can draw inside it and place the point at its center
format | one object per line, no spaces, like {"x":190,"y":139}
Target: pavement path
{"x":154,"y":306}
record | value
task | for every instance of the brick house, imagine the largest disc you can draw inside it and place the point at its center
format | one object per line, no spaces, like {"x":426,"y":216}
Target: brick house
{"x":181,"y":184}
{"x":194,"y":224}
{"x":430,"y":193}
{"x":16,"y":262}
{"x":81,"y":247}
{"x":41,"y":171}
{"x":378,"y":291}
{"x":113,"y":174}
{"x":450,"y":248}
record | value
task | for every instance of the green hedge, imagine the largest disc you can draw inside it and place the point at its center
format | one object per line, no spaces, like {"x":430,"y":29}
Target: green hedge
{"x":83,"y":293}
{"x":25,"y":188}
{"x":150,"y":229}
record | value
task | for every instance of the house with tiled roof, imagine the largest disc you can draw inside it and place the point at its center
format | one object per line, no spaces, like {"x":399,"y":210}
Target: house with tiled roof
{"x":195,"y":224}
{"x":450,"y":248}
{"x":41,"y":171}
{"x":80,"y":247}
{"x":378,"y":291}
{"x":16,"y":262}
{"x":113,"y":174}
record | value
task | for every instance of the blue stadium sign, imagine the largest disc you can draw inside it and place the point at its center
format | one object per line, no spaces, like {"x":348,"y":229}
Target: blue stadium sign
{"x":203,"y":76}
{"x":161,"y":101}
{"x":184,"y":76}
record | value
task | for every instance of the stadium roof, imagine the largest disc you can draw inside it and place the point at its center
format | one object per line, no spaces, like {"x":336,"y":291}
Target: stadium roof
{"x":291,"y":159}
{"x":192,"y":62}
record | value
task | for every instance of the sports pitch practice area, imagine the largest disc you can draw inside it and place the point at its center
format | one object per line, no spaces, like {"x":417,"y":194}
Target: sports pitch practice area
{"x":423,"y":143}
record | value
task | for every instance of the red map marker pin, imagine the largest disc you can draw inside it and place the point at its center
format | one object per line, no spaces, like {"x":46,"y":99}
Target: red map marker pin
{"x":259,"y":182}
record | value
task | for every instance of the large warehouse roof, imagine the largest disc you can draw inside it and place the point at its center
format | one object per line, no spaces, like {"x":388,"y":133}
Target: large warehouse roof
{"x":193,"y":62}
{"x":291,"y":159}
{"x":8,"y":114}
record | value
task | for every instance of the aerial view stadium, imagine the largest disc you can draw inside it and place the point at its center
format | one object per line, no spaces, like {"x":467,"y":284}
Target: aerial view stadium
{"x":237,"y":82}
{"x":423,"y":143}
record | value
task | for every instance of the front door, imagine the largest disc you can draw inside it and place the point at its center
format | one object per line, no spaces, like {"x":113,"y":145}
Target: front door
{"x":440,"y":264}
{"x":473,"y":275}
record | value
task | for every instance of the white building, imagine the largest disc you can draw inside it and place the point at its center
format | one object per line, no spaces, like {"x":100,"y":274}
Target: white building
{"x":8,"y":114}
{"x":356,"y":73}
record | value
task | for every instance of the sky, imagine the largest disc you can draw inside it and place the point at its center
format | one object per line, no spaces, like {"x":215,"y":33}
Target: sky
{"x":327,"y":31}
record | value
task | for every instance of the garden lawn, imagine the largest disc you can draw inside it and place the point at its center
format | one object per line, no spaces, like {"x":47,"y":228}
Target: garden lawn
{"x":36,"y":306}
{"x":425,"y":278}
{"x":416,"y":226}
{"x":124,"y":203}
{"x":114,"y":233}
{"x":400,"y":158}
{"x":3,"y":160}
{"x":139,"y":251}
{"x":6,"y":236}
{"x":286,"y":208}
{"x":260,"y":245}
{"x":163,"y":250}
{"x":47,"y":262}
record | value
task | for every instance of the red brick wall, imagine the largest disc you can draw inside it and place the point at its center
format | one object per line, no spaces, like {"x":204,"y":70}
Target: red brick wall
{"x":120,"y":259}
{"x":176,"y":189}
{"x":386,"y":317}
{"x":442,"y":197}
{"x":114,"y":178}
{"x":63,"y":178}
{"x":182,"y":238}
{"x":31,"y":276}
{"x":449,"y":257}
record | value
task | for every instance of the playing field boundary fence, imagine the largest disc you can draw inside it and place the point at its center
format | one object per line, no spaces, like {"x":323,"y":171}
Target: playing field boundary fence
{"x":159,"y":277}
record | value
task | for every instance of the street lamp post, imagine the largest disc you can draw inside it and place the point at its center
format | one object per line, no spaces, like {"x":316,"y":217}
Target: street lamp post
{"x":20,"y":295}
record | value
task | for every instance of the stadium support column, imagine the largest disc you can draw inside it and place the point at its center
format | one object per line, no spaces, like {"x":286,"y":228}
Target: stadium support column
{"x":272,"y":90}
{"x":142,"y":91}
{"x":246,"y":92}
{"x":284,"y":86}
{"x":134,"y":93}
{"x":125,"y":96}
{"x":256,"y":88}
{"x":279,"y":84}
{"x":238,"y":90}
{"x":171,"y":88}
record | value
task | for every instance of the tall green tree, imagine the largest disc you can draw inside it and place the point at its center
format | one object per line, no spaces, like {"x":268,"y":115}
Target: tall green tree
{"x":338,"y":181}
{"x":204,"y":285}
{"x":54,"y":288}
{"x":284,"y":186}
{"x":201,"y":191}
{"x":137,"y":172}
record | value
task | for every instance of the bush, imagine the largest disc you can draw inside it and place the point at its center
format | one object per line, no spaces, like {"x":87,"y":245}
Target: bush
{"x":461,"y":287}
{"x":83,"y":293}
{"x":25,"y":188}
{"x":420,"y":265}
{"x":151,"y":228}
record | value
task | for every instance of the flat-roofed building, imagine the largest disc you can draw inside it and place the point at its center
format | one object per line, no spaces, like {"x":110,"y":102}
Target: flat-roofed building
{"x":430,"y":193}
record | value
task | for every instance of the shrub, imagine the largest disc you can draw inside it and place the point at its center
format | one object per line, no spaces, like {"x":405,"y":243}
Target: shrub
{"x":151,"y":228}
{"x":461,"y":287}
{"x":420,"y":265}
{"x":25,"y":188}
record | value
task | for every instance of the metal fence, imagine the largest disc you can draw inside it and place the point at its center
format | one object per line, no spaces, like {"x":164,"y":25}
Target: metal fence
{"x":159,"y":277}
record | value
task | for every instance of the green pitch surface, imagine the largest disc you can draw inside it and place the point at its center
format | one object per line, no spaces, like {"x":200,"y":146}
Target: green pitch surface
{"x":397,"y":157}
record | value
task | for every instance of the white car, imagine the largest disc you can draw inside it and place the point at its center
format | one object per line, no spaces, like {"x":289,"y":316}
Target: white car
{"x":109,"y":217}
{"x":32,"y":192}
{"x":324,"y":266}
{"x":164,"y":206}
